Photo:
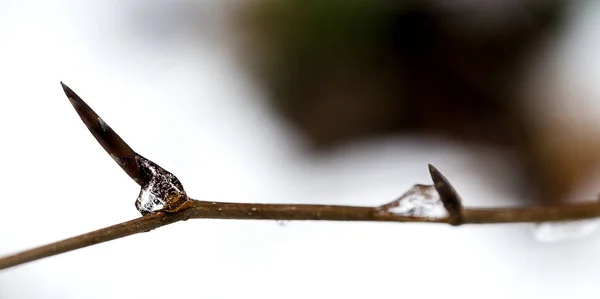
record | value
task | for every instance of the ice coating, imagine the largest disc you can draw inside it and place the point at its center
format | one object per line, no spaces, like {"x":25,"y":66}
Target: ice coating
{"x":162,"y":190}
{"x":420,"y":201}
{"x":552,"y":232}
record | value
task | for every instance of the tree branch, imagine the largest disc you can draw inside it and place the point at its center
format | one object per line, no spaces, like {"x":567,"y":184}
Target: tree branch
{"x":222,"y":210}
{"x":439,"y":203}
{"x":162,"y":191}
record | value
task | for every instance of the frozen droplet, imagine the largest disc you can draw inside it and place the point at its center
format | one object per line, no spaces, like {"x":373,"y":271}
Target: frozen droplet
{"x":420,"y":201}
{"x":551,"y":232}
{"x":282,"y":222}
{"x":162,"y":189}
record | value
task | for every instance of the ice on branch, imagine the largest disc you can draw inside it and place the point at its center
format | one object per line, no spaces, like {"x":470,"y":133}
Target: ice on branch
{"x":162,"y":190}
{"x":420,"y":201}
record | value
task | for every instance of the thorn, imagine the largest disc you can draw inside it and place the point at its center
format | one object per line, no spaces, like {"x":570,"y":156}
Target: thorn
{"x":110,"y":141}
{"x":160,"y":188}
{"x":448,"y":195}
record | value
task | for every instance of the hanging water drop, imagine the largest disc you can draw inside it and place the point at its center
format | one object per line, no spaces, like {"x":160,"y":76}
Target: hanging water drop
{"x":282,"y":222}
{"x":551,"y":232}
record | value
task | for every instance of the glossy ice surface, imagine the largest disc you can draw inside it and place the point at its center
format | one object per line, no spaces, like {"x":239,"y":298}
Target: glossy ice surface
{"x":162,"y":190}
{"x":420,"y":201}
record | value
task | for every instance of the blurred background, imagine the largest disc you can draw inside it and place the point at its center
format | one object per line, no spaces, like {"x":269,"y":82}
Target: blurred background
{"x":315,"y":101}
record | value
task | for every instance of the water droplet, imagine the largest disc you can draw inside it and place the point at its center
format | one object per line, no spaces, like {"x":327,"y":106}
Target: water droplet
{"x":162,"y":189}
{"x":282,"y":222}
{"x":419,"y":201}
{"x":551,"y":232}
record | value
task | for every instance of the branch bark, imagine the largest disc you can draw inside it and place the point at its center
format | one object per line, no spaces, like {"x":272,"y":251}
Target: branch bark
{"x":223,"y":210}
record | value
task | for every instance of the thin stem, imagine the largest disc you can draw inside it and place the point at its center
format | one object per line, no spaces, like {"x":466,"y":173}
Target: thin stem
{"x":223,"y":210}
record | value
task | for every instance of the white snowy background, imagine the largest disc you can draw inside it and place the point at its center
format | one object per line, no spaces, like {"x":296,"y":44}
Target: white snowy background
{"x":166,"y":81}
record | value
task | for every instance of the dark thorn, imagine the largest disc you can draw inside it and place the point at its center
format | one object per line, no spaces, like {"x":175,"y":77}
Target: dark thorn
{"x":110,"y":141}
{"x":448,"y":195}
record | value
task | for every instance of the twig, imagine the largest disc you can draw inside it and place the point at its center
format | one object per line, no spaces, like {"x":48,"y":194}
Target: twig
{"x":161,"y":189}
{"x":222,"y":210}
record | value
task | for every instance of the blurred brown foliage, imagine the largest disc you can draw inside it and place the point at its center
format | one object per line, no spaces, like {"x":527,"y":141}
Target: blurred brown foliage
{"x":345,"y":70}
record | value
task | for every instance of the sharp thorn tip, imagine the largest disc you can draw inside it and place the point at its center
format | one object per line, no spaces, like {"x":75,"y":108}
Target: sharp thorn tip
{"x":433,"y":171}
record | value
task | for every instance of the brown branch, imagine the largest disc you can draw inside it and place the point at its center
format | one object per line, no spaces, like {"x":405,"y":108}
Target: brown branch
{"x":222,"y":210}
{"x":420,"y":204}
